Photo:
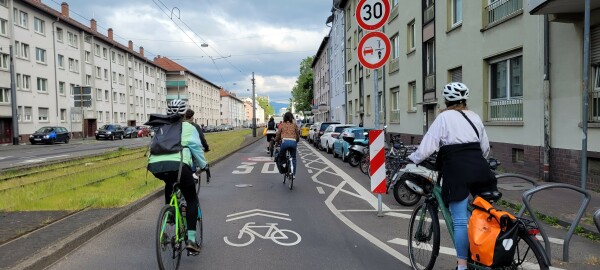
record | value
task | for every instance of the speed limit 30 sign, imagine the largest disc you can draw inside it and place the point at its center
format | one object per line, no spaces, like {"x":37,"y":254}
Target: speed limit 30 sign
{"x":372,"y":14}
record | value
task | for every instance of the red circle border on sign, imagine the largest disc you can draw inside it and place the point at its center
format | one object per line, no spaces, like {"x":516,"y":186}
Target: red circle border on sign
{"x":388,"y":45}
{"x":363,"y":25}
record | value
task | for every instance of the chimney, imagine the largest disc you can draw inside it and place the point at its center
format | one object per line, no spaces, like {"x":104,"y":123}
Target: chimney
{"x":64,"y":9}
{"x":110,"y":33}
{"x":130,"y":45}
{"x":93,"y":25}
{"x":142,"y":51}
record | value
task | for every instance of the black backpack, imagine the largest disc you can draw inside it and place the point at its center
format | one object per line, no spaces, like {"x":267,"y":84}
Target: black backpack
{"x":167,"y":134}
{"x":271,"y":126}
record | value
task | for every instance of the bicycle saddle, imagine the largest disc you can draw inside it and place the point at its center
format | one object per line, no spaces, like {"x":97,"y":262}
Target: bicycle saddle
{"x":491,"y":196}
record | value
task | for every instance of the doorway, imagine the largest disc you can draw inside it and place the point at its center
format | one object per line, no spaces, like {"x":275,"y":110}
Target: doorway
{"x":5,"y":130}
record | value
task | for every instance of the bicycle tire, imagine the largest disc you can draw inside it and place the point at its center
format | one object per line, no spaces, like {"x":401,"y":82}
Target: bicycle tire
{"x":416,"y":239}
{"x":199,"y":228}
{"x":364,"y":165}
{"x":168,"y":249}
{"x":533,"y":245}
{"x":291,"y":182}
{"x":271,"y":146}
{"x":197,"y":182}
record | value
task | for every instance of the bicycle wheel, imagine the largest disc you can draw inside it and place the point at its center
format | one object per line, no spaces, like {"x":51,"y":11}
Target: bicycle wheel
{"x":197,"y":183}
{"x":291,"y":174}
{"x":529,"y":253}
{"x":168,"y":249}
{"x":199,"y":231}
{"x":271,"y":146}
{"x":423,"y":237}
{"x":364,"y":165}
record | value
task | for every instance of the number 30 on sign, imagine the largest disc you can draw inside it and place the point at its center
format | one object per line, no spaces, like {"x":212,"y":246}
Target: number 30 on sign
{"x":372,"y":14}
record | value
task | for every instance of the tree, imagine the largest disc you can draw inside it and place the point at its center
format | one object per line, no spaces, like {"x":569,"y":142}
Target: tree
{"x":263,"y":103}
{"x":302,"y":93}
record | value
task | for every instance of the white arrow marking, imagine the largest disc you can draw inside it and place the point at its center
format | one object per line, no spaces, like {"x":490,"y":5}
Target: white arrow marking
{"x":258,"y":210}
{"x":257,"y":214}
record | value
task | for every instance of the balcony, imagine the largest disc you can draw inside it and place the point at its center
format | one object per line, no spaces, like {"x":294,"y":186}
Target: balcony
{"x":428,"y":14}
{"x":430,"y":82}
{"x":505,"y":110}
{"x":394,"y":65}
{"x":501,"y":10}
{"x":594,"y":107}
{"x":176,"y":83}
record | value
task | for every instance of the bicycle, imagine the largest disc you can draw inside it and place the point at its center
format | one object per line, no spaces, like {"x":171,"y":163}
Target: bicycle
{"x":289,"y":174}
{"x":171,"y":229}
{"x":199,"y":179}
{"x":424,"y":227}
{"x":271,"y":146}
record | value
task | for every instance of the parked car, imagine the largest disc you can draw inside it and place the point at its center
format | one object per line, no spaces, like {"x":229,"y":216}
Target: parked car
{"x":304,"y":130}
{"x":50,"y":135}
{"x":142,"y":131}
{"x":319,"y":131}
{"x":330,"y":135}
{"x":341,"y":147}
{"x":130,"y":132}
{"x":110,"y":131}
{"x":210,"y":128}
{"x":312,"y":131}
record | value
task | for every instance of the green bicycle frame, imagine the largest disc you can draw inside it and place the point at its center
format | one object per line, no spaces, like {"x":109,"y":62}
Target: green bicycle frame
{"x":178,"y":218}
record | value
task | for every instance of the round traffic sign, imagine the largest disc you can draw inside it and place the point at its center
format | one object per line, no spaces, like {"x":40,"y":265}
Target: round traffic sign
{"x":374,"y":50}
{"x":372,"y":14}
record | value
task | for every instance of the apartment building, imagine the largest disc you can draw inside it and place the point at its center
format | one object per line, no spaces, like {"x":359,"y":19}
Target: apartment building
{"x":337,"y":76}
{"x":529,"y":100}
{"x":54,"y":56}
{"x":202,"y":95}
{"x":233,"y":111}
{"x":260,"y":113}
{"x":321,"y":81}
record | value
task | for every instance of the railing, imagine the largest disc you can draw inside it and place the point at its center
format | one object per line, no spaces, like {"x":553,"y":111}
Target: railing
{"x":176,"y":83}
{"x":500,"y":9}
{"x":505,"y":110}
{"x":429,"y":14}
{"x":395,"y":116}
{"x":594,"y":106}
{"x":394,"y":65}
{"x":430,"y":82}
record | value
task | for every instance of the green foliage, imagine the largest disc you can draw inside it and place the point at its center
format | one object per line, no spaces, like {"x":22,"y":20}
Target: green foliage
{"x":264,"y":103}
{"x":302,"y":93}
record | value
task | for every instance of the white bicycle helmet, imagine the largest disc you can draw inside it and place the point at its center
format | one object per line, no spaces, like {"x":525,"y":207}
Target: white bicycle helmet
{"x":455,"y":91}
{"x":176,"y":106}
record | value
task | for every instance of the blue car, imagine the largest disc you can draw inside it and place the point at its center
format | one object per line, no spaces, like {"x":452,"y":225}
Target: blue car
{"x":341,"y":147}
{"x":50,"y":135}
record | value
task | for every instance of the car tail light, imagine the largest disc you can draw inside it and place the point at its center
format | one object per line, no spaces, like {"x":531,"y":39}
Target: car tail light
{"x":335,"y":135}
{"x":320,"y":132}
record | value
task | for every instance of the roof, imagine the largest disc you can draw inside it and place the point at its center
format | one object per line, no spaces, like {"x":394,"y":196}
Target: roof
{"x":172,"y":66}
{"x":48,"y":10}
{"x":227,"y":94}
{"x":321,"y":49}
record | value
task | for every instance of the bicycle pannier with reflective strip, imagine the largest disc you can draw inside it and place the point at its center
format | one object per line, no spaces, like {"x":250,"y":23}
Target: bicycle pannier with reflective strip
{"x":492,"y":234}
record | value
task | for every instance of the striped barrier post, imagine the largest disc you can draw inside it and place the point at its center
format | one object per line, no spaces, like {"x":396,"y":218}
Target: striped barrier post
{"x":377,"y":164}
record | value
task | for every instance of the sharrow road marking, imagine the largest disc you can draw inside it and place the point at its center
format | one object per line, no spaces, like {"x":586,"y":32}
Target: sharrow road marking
{"x":320,"y":190}
{"x":258,"y":212}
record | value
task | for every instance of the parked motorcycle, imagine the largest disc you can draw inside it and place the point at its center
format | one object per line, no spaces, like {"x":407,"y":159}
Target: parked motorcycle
{"x":357,"y":149}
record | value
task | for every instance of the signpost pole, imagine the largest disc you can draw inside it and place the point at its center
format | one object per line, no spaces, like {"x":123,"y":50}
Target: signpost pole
{"x":376,"y":87}
{"x":82,"y":115}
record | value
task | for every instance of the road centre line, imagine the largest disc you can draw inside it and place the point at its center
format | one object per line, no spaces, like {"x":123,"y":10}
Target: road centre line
{"x":363,"y":192}
{"x":320,"y":190}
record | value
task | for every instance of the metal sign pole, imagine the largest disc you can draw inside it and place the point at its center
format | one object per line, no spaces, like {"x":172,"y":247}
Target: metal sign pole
{"x":376,"y":87}
{"x":82,"y":115}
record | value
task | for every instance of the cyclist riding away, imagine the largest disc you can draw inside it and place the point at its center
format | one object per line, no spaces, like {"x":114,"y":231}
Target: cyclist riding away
{"x":288,"y":135}
{"x":166,"y":167}
{"x":271,"y":132}
{"x":463,"y":146}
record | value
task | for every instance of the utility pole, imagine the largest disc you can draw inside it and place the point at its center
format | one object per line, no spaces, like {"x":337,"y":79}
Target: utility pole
{"x":253,"y":107}
{"x":13,"y":98}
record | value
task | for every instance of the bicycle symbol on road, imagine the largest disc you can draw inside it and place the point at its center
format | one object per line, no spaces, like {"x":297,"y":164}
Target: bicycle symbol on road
{"x":282,"y":237}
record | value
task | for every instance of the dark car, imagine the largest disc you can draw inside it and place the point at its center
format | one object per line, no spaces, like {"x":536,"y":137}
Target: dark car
{"x":110,"y":131}
{"x":320,"y":129}
{"x":130,"y":132}
{"x":50,"y":135}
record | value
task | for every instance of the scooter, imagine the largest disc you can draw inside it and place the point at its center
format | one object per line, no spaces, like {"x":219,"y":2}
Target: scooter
{"x":357,"y":149}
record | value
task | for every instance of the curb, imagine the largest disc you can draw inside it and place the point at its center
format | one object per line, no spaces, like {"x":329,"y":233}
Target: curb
{"x":49,"y":255}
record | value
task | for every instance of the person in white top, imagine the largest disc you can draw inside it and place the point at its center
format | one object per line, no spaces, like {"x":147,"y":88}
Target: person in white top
{"x":463,"y":146}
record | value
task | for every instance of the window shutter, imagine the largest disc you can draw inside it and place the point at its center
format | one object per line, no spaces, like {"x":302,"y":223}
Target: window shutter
{"x":595,"y":45}
{"x":456,"y":74}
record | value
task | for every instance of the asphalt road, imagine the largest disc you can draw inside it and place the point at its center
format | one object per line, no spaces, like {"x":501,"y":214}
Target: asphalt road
{"x":330,"y":219}
{"x":22,"y":155}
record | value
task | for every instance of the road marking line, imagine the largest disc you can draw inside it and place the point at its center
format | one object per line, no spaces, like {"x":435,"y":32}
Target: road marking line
{"x":443,"y":250}
{"x":374,"y":210}
{"x":320,"y":190}
{"x":310,"y":171}
{"x":408,"y":216}
{"x":258,"y":210}
{"x":314,"y":178}
{"x":551,"y":240}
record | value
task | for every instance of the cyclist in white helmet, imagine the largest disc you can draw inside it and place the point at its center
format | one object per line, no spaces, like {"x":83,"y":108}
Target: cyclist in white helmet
{"x":166,"y":167}
{"x":459,"y":136}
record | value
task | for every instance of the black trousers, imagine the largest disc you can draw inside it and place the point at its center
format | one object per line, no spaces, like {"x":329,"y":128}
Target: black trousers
{"x":188,"y":189}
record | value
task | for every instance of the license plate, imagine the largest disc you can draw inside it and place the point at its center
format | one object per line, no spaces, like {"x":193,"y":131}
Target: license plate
{"x":37,"y":139}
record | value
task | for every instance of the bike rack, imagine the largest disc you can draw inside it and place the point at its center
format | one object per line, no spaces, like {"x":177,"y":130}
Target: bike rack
{"x":597,"y":219}
{"x":586,"y":200}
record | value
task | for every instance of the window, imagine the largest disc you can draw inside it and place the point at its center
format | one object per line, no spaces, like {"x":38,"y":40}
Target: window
{"x":19,"y":113}
{"x":27,"y":114}
{"x":99,"y":94}
{"x":395,"y":105}
{"x":73,"y":65}
{"x":42,"y":84}
{"x":59,"y":34}
{"x":97,"y":50}
{"x":113,"y":57}
{"x":39,"y":26}
{"x":43,"y":114}
{"x":72,"y":89}
{"x":412,"y":96}
{"x":40,"y":55}
{"x":106,"y":96}
{"x":3,"y":27}
{"x":21,"y":18}
{"x":395,"y":47}
{"x":3,"y":2}
{"x":104,"y":53}
{"x":60,"y":61}
{"x":456,"y":12}
{"x":61,"y":88}
{"x":98,"y":72}
{"x":87,"y":39}
{"x":3,"y":61}
{"x":106,"y":74}
{"x":63,"y":115}
{"x":26,"y":82}
{"x":73,"y":39}
{"x":22,"y":50}
{"x":410,"y":39}
{"x":594,"y":96}
{"x":100,"y":114}
{"x":506,"y":89}
{"x":4,"y":95}
{"x":88,"y":80}
{"x":456,"y":74}
{"x":88,"y":56}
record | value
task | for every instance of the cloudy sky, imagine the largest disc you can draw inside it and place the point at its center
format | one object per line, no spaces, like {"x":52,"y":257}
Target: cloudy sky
{"x":267,"y":37}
